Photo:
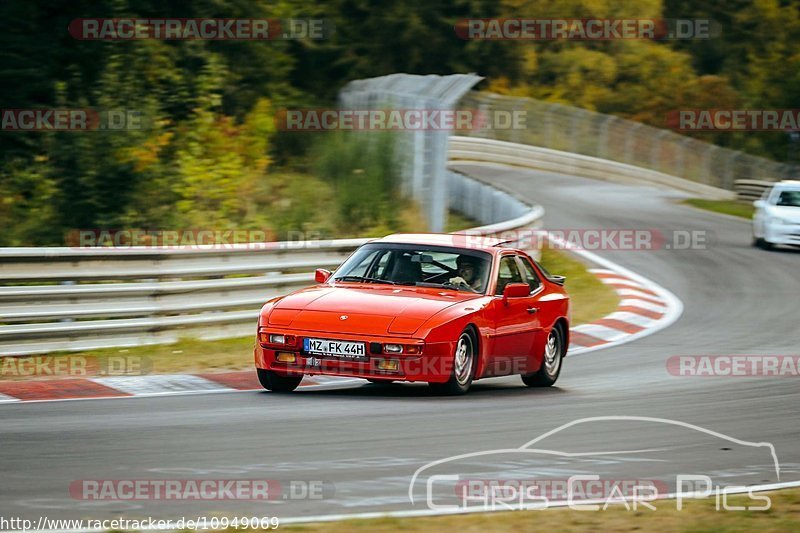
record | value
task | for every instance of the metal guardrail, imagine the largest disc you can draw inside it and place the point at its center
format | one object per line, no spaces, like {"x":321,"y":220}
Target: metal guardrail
{"x":469,"y":149}
{"x":68,"y":299}
{"x":751,"y":190}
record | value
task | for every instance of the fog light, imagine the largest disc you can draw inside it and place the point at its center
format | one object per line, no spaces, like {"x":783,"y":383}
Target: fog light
{"x":285,"y":357}
{"x":390,"y":365}
{"x":393,"y":348}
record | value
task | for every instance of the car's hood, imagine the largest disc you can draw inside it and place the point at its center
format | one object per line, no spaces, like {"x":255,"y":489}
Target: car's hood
{"x":373,"y":310}
{"x":792,"y":214}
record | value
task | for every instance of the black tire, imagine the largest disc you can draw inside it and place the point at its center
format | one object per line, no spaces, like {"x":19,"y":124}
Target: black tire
{"x":277,"y":383}
{"x":548,"y":373}
{"x":464,"y":362}
{"x":380,"y":381}
{"x":761,"y":243}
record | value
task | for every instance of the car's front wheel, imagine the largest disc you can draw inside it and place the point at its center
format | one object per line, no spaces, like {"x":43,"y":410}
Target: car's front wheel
{"x":463,"y":367}
{"x":277,"y":383}
{"x":554,"y":350}
{"x":759,"y":242}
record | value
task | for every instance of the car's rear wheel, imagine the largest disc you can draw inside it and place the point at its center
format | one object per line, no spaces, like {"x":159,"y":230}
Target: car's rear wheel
{"x":277,"y":383}
{"x":548,"y":373}
{"x":463,"y":367}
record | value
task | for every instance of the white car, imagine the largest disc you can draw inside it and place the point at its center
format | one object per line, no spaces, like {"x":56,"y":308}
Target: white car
{"x":777,"y":216}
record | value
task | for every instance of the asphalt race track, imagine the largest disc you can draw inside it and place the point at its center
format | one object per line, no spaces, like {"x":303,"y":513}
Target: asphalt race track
{"x":365,"y":442}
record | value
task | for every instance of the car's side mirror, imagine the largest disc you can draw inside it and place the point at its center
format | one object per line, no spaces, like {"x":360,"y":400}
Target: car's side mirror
{"x":516,"y":290}
{"x":321,"y":275}
{"x":759,"y":204}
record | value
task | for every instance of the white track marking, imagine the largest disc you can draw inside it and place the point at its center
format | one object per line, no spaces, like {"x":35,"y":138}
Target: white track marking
{"x":631,"y":318}
{"x":602,"y":332}
{"x":620,"y":285}
{"x":602,"y":271}
{"x":633,"y":293}
{"x":638,"y":310}
{"x":342,"y":381}
{"x":159,"y":384}
{"x":671,"y":312}
{"x":650,"y":306}
{"x":7,"y":399}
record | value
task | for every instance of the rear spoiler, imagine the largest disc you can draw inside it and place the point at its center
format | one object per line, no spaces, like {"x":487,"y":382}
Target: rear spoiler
{"x":558,"y":280}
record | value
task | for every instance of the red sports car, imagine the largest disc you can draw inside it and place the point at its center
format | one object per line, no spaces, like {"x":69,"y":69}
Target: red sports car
{"x":442,"y":309}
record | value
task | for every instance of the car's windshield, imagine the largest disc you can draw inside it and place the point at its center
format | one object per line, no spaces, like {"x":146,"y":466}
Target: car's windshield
{"x":418,"y":265}
{"x":789,"y":198}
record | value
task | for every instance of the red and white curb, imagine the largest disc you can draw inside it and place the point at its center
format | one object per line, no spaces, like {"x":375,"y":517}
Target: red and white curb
{"x":645,"y":307}
{"x":48,"y":390}
{"x":640,"y":309}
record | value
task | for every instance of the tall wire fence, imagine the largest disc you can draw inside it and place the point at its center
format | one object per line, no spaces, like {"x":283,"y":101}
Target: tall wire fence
{"x":580,"y":131}
{"x":421,"y":154}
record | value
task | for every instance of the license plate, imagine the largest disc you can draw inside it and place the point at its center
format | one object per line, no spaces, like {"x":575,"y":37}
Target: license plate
{"x":334,"y":348}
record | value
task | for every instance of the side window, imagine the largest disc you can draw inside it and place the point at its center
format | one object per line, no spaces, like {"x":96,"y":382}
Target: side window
{"x":530,"y":274}
{"x":361,"y":268}
{"x":508,"y":273}
{"x":789,"y":198}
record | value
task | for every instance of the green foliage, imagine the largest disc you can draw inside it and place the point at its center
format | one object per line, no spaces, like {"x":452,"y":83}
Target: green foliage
{"x":365,"y":179}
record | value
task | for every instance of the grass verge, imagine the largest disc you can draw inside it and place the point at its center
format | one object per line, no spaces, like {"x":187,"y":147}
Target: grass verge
{"x":591,"y":299}
{"x":696,"y":516}
{"x":726,"y":207}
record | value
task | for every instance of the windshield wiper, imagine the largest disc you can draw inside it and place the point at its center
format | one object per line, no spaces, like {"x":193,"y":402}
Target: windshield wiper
{"x":365,"y":279}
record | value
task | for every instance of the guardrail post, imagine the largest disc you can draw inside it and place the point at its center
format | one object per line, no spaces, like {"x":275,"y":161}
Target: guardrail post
{"x":655,"y":150}
{"x":602,"y":136}
{"x":708,"y":164}
{"x":680,"y":159}
{"x":630,"y":138}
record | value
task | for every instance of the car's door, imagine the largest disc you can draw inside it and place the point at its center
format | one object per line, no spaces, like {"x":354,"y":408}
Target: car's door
{"x":547,"y":308}
{"x":516,"y":321}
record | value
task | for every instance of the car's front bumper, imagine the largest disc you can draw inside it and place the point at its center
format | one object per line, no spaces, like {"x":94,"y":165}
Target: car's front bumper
{"x":434,"y":364}
{"x":783,"y":234}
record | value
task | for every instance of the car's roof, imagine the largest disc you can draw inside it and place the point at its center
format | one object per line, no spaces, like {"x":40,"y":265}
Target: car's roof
{"x":472,"y":242}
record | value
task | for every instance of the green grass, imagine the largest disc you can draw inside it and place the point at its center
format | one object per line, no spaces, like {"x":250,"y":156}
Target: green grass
{"x":696,"y":516}
{"x":456,"y":221}
{"x":726,"y":207}
{"x":590,"y":298}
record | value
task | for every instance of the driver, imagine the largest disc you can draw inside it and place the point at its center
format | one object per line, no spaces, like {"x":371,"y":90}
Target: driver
{"x":469,"y":273}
